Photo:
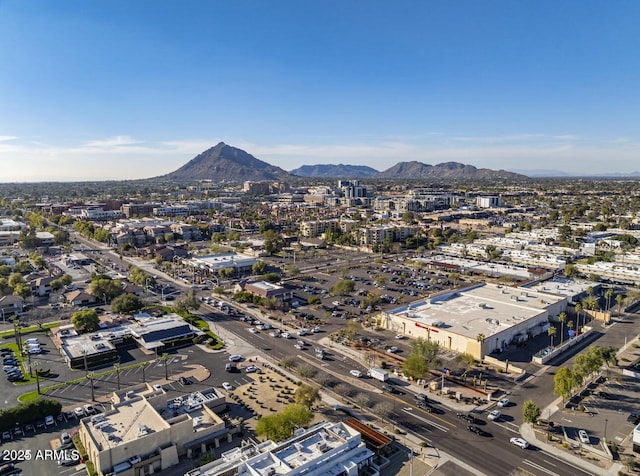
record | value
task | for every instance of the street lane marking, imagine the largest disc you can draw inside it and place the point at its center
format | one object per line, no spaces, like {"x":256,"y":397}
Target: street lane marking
{"x":432,"y":423}
{"x":539,"y":467}
{"x":507,"y":428}
{"x":563,"y":461}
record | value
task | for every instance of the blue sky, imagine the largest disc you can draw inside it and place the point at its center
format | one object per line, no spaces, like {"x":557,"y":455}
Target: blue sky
{"x":121,"y":89}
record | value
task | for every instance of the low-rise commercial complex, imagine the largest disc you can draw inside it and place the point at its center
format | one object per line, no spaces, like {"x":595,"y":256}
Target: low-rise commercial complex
{"x":146,"y":431}
{"x":325,"y":449}
{"x":477,"y":320}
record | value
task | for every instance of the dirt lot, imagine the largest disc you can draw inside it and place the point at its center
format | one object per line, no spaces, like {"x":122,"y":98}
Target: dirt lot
{"x":269,"y":393}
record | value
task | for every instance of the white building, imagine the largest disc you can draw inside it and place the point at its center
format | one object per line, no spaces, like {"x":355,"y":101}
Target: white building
{"x":476,"y":320}
{"x":325,"y":449}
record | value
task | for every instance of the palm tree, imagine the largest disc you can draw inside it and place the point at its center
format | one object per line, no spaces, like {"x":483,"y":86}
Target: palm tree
{"x":608,"y":295}
{"x":619,"y":300}
{"x":562,"y":318}
{"x":552,"y":331}
{"x":569,"y":325}
{"x":92,"y":376}
{"x":578,"y":311}
{"x":117,"y":368}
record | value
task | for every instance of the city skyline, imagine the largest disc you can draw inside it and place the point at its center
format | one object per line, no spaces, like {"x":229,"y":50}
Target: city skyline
{"x":121,"y":90}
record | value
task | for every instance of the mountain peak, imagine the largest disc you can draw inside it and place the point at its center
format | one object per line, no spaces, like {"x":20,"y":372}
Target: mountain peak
{"x":225,"y":162}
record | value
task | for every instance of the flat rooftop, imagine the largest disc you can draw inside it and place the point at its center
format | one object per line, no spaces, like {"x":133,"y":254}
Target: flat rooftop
{"x":76,"y":346}
{"x":130,"y":420}
{"x":483,"y":267}
{"x":223,"y":260}
{"x":565,"y":287}
{"x":485,"y":309}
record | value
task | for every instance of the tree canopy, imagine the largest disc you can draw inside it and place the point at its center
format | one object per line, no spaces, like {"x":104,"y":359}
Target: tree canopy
{"x":85,"y":320}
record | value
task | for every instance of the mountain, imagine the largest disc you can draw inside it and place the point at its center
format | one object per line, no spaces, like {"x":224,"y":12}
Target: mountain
{"x":334,"y":171}
{"x":224,"y":162}
{"x":541,"y":173}
{"x":447,"y":170}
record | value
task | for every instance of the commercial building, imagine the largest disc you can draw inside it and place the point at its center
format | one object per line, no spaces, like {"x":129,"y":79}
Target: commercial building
{"x":146,"y":431}
{"x":269,"y":290}
{"x":477,"y":320}
{"x":326,"y":449}
{"x":239,"y":263}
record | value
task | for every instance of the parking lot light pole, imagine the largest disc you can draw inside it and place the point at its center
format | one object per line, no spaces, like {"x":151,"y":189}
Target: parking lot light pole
{"x":37,"y":365}
{"x":605,"y":430}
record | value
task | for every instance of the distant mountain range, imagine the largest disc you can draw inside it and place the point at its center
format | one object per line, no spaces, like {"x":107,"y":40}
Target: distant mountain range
{"x":335,"y":171}
{"x":226,"y":163}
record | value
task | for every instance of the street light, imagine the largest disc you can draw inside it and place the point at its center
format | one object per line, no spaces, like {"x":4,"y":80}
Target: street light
{"x":605,"y":430}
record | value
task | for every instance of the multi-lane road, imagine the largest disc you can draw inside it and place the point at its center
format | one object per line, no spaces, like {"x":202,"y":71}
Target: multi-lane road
{"x":492,"y":453}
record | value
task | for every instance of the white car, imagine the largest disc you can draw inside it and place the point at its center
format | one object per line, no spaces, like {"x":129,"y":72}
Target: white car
{"x":302,"y":332}
{"x":584,"y":437}
{"x":79,"y":412}
{"x":356,"y":373}
{"x":274,"y":334}
{"x":315,"y":330}
{"x":286,"y":335}
{"x":299,"y":347}
{"x":392,"y":350}
{"x":399,"y":336}
{"x":254,"y":331}
{"x":494,"y":415}
{"x":157,"y":387}
{"x":227,"y":386}
{"x":251,"y":369}
{"x":522,"y":443}
{"x":503,"y":402}
{"x":235,"y":358}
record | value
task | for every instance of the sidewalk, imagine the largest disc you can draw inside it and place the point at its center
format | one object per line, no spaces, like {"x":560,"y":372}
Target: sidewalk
{"x":528,"y":433}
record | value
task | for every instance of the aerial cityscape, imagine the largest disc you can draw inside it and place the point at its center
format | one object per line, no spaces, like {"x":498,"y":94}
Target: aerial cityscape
{"x":337,"y":238}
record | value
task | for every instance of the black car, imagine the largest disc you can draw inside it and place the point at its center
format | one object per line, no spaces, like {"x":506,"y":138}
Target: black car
{"x":425,"y":406}
{"x":466,"y":417}
{"x":29,"y":427}
{"x":40,"y":424}
{"x":474,"y":429}
{"x":387,"y":388}
{"x":184,"y":381}
{"x":633,"y":418}
{"x":605,"y":395}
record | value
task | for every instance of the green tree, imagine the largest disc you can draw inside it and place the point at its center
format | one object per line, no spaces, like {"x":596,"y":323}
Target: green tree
{"x":530,"y":412}
{"x":467,"y":360}
{"x":343,"y":287}
{"x":259,"y":267}
{"x":570,"y":271}
{"x":564,"y":381}
{"x":138,"y":276}
{"x":104,"y":287}
{"x":562,"y":318}
{"x":608,"y":295}
{"x":126,"y":304}
{"x":552,"y":331}
{"x":280,"y":426}
{"x":424,"y":354}
{"x":85,"y":320}
{"x":307,"y":395}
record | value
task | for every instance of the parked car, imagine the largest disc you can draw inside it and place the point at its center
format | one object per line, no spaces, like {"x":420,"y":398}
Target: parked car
{"x":494,"y":415}
{"x":235,"y":358}
{"x":584,"y":437}
{"x":392,"y":349}
{"x":89,"y":409}
{"x":251,"y":369}
{"x":79,"y":412}
{"x":227,"y":386}
{"x":633,"y":418}
{"x":522,"y":443}
{"x":65,"y":438}
{"x":49,"y":420}
{"x":503,"y":402}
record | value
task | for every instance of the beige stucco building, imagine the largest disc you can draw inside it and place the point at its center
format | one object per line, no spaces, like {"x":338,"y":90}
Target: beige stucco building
{"x":146,"y":431}
{"x":478,"y":319}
